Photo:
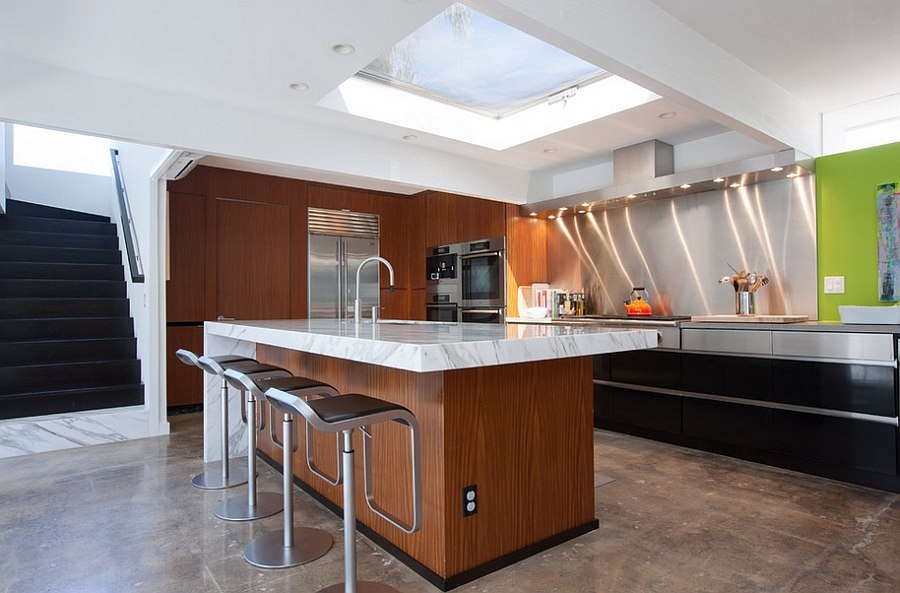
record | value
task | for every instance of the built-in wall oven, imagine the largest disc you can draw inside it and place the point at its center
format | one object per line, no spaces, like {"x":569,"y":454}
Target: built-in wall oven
{"x":442,"y":283}
{"x":483,"y":280}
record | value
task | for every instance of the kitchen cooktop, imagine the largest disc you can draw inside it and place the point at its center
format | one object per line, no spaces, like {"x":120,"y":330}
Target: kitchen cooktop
{"x":639,"y":318}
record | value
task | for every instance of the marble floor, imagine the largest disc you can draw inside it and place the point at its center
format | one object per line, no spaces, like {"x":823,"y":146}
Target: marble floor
{"x":123,"y":517}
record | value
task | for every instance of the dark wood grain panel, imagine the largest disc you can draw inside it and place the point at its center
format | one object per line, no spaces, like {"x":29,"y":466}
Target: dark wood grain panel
{"x":440,"y":218}
{"x":479,"y":219}
{"x":184,"y":384}
{"x":526,"y":255}
{"x":185,"y":288}
{"x":253,"y":269}
{"x":521,"y":433}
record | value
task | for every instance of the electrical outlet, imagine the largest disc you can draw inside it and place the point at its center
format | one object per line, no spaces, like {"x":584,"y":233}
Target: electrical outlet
{"x":834,"y":285}
{"x":469,"y":500}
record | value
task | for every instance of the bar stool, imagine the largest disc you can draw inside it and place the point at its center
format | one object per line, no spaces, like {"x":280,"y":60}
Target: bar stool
{"x":210,"y":480}
{"x":288,"y":546}
{"x":253,"y":505}
{"x":343,"y":414}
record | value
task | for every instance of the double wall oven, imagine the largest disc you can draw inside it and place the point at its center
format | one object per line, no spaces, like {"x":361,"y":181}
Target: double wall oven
{"x":467,"y":281}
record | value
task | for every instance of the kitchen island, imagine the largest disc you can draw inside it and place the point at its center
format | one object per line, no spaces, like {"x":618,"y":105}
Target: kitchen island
{"x":505,"y":408}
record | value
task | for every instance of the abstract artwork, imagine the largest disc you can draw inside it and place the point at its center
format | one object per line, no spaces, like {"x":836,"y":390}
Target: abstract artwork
{"x":888,"y":242}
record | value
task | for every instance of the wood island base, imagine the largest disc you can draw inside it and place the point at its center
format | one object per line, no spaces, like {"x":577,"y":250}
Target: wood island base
{"x":522,"y":434}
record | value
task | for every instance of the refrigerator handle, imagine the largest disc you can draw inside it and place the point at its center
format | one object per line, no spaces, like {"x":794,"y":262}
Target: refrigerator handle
{"x":340,"y":280}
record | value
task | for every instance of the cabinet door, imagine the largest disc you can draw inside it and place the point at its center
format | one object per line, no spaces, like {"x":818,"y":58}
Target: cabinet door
{"x":654,"y":412}
{"x":866,"y":389}
{"x":186,"y":286}
{"x":724,"y":422}
{"x":651,"y":367}
{"x":253,"y":260}
{"x":184,"y":384}
{"x":734,"y":376}
{"x":841,"y":441}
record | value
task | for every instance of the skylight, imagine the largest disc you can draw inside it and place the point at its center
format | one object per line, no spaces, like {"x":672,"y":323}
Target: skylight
{"x":473,"y":61}
{"x":467,"y":77}
{"x":60,"y":151}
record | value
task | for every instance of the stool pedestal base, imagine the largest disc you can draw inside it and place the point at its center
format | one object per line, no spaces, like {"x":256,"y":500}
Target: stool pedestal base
{"x":361,"y":587}
{"x":213,"y":480}
{"x":238,"y":508}
{"x":268,"y":551}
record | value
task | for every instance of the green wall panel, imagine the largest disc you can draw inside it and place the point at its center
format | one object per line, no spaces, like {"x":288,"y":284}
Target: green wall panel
{"x":848,"y":224}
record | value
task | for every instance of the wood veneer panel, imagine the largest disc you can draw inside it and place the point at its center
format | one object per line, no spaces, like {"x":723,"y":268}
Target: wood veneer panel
{"x":421,"y":393}
{"x":441,"y":215}
{"x":185,"y":294}
{"x":479,"y":219}
{"x":184,"y":384}
{"x":523,"y":434}
{"x":526,"y":255}
{"x":253,"y":272}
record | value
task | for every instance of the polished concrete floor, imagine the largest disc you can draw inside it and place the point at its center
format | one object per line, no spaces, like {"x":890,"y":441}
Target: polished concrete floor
{"x":123,"y":517}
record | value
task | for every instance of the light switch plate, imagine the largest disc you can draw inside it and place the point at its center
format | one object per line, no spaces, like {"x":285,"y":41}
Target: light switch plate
{"x":834,"y":285}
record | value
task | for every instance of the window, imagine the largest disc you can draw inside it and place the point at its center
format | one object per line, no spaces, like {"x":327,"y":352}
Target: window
{"x":60,"y":151}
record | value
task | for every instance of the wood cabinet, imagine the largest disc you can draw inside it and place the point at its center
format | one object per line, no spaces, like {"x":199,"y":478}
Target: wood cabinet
{"x":185,"y":288}
{"x":184,"y":384}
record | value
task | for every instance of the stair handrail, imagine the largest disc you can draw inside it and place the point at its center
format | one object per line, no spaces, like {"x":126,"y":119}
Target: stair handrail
{"x":131,"y":239}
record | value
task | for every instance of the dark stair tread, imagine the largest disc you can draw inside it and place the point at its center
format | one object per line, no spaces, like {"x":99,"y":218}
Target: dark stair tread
{"x":33,"y":308}
{"x":70,"y":400}
{"x":62,"y":351}
{"x":52,"y":329}
{"x":48,"y":377}
{"x":17,"y":287}
{"x":20,"y":208}
{"x":53,"y":239}
{"x":61,"y":271}
{"x":56,"y":225}
{"x":31,"y":253}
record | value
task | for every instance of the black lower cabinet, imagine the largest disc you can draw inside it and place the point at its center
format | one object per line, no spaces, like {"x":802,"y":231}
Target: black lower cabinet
{"x":724,"y":422}
{"x":705,"y":409}
{"x":848,"y":442}
{"x":647,"y":413}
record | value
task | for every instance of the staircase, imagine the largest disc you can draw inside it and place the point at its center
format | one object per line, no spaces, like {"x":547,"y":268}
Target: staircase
{"x":66,"y":338}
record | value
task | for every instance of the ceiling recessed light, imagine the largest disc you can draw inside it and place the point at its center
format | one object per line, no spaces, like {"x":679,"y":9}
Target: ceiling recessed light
{"x":585,"y":204}
{"x":551,"y":217}
{"x":667,"y":115}
{"x":582,"y":211}
{"x":533,"y":214}
{"x":685,"y":186}
{"x":343,"y":49}
{"x":563,"y":209}
{"x":735,"y":185}
{"x":776,"y":169}
{"x":719,"y":180}
{"x":410,"y":137}
{"x":792,"y":175}
{"x":549,"y":150}
{"x":299,"y":86}
{"x":631,"y":196}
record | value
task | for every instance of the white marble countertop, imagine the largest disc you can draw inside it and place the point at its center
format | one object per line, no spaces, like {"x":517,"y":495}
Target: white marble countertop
{"x":425,"y":347}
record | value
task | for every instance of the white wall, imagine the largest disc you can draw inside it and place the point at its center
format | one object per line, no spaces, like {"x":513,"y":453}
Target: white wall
{"x":141,"y":166}
{"x":60,"y":189}
{"x":3,"y":168}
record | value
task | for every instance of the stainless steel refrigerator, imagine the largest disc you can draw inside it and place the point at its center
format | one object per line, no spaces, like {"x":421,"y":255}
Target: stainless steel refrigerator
{"x":338,"y":242}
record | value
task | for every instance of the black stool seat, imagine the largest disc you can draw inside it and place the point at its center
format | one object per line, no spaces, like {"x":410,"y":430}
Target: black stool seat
{"x":243,"y":365}
{"x":189,"y":358}
{"x":352,"y":406}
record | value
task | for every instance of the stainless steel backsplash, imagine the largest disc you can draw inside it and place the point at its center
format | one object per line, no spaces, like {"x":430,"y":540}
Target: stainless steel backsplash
{"x":678,"y":248}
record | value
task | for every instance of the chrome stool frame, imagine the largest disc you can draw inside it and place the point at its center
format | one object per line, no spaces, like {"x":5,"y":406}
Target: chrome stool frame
{"x":227,"y":478}
{"x":289,"y":546}
{"x":343,"y":415}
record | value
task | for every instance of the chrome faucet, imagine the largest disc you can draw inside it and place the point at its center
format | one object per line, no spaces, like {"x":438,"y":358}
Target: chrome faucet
{"x":356,"y":304}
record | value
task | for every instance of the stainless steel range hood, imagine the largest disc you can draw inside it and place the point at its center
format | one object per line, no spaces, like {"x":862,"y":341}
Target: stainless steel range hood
{"x":645,"y":172}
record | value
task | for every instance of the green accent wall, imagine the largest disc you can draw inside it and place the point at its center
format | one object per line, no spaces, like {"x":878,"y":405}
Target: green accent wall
{"x":847,"y":223}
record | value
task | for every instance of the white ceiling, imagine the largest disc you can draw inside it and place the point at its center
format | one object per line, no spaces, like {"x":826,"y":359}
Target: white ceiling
{"x":213,"y":76}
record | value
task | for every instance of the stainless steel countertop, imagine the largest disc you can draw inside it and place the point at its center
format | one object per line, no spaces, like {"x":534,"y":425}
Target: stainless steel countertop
{"x":809,"y":326}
